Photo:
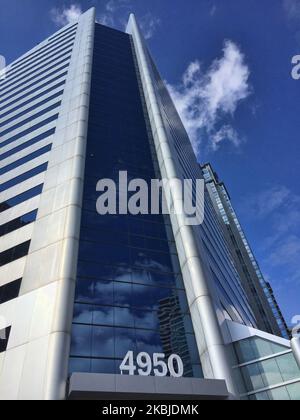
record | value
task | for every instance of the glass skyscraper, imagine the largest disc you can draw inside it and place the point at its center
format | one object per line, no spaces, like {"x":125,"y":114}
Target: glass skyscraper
{"x":82,"y":294}
{"x":259,"y":291}
{"x":128,"y":271}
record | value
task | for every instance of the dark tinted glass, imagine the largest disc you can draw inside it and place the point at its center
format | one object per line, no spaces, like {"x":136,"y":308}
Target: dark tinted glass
{"x":65,"y":31}
{"x":36,"y":83}
{"x":38,"y":87}
{"x":4,"y":337}
{"x":50,"y":42}
{"x":62,"y":60}
{"x":18,"y":199}
{"x":25,"y":159}
{"x":23,"y":177}
{"x":31,"y":118}
{"x":129,"y":293}
{"x":10,"y":291}
{"x":35,"y":64}
{"x":32,"y":108}
{"x":29,"y":130}
{"x":29,"y":101}
{"x":28,"y":143}
{"x":18,"y":223}
{"x":14,"y":253}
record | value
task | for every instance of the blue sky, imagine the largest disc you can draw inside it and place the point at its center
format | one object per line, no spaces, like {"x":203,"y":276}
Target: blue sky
{"x":228,"y":66}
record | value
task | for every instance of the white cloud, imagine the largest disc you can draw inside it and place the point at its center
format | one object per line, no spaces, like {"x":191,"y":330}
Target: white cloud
{"x":64,"y":16}
{"x":203,"y":99}
{"x":286,"y":252}
{"x":268,"y":201}
{"x":279,"y":208}
{"x":213,"y":10}
{"x":225,"y":133}
{"x":292,"y":9}
{"x":149,"y":24}
{"x":111,"y":9}
{"x":116,"y":13}
{"x":106,"y":19}
{"x":292,"y":12}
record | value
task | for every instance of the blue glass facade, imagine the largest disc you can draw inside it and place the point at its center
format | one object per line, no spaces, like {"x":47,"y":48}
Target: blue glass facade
{"x":130,"y":293}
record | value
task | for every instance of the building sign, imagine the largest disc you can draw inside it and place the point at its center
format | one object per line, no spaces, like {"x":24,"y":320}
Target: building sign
{"x":144,"y":365}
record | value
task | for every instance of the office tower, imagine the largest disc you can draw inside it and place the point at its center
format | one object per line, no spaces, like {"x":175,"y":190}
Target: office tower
{"x":90,"y":303}
{"x":259,"y":291}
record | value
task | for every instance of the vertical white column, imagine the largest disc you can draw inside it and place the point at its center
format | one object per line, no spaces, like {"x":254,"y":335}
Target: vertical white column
{"x":35,"y":365}
{"x":208,"y":334}
{"x":295,"y":344}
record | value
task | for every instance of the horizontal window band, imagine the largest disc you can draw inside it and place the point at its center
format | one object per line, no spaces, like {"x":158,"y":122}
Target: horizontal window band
{"x":5,"y":333}
{"x":64,"y":32}
{"x":57,"y":63}
{"x":22,"y":60}
{"x":26,"y":159}
{"x":28,"y":143}
{"x":32,"y":108}
{"x":36,"y":61}
{"x":29,"y":130}
{"x":10,"y":291}
{"x":29,"y":101}
{"x":21,"y":198}
{"x":14,"y":253}
{"x":18,"y":223}
{"x":32,"y":70}
{"x":29,"y":119}
{"x":36,"y":87}
{"x":21,"y":178}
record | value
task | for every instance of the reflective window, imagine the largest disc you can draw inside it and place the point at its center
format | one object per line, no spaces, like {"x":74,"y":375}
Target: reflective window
{"x":32,"y":108}
{"x":10,"y":291}
{"x":31,"y":118}
{"x":52,"y":41}
{"x":37,"y":88}
{"x":18,"y":223}
{"x":252,"y":377}
{"x":23,"y":177}
{"x":14,"y":253}
{"x":64,"y":32}
{"x":35,"y":65}
{"x":284,"y":393}
{"x":270,"y":372}
{"x":279,"y":394}
{"x":4,"y":337}
{"x":256,"y":348}
{"x":36,"y":84}
{"x":28,"y":143}
{"x":262,"y":396}
{"x":29,"y":130}
{"x":31,"y":100}
{"x":37,"y":75}
{"x":14,"y":201}
{"x":294,"y":391}
{"x":129,"y":293}
{"x":288,"y":367}
{"x":25,"y":159}
{"x":81,"y":341}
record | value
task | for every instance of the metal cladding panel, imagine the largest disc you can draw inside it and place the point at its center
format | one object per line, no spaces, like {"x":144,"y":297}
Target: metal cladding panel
{"x":106,"y":387}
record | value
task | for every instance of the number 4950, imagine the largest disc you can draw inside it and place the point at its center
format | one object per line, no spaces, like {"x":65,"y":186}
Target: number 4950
{"x":145,"y":365}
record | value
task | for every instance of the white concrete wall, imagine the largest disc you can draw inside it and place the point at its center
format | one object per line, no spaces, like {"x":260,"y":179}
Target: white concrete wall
{"x":36,"y":361}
